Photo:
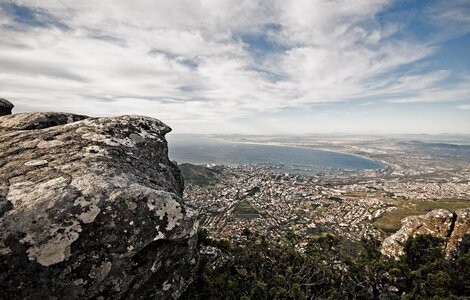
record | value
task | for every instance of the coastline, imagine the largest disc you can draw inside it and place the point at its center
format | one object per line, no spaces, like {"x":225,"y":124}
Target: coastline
{"x":387,"y":165}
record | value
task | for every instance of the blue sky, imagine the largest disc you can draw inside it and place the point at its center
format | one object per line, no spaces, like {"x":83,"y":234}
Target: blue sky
{"x":260,"y":67}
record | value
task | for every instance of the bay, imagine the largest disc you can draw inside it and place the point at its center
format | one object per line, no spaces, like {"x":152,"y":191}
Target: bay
{"x":297,"y":160}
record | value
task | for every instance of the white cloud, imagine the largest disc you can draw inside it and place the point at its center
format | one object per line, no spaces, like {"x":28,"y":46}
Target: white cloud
{"x":187,"y":61}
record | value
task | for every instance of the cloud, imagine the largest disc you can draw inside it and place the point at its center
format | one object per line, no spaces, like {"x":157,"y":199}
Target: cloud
{"x":22,"y":15}
{"x":451,"y":17}
{"x":212,"y":60}
{"x":464,"y":107}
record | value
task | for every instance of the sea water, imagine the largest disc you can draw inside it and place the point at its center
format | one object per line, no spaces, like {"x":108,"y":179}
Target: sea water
{"x":299,"y":160}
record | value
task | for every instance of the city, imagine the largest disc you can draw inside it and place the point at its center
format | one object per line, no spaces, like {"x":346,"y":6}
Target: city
{"x":240,"y":200}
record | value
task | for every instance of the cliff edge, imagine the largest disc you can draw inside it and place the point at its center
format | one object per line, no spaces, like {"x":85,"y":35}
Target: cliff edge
{"x":91,"y":208}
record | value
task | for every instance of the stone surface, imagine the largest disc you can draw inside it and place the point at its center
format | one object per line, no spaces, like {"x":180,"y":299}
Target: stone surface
{"x":216,"y":258}
{"x":91,"y":208}
{"x":5,"y":107}
{"x":459,"y":241}
{"x":40,"y":120}
{"x":454,"y":228}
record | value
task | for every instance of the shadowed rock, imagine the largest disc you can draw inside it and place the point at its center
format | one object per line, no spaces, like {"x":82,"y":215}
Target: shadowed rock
{"x":91,"y":207}
{"x":454,"y":228}
{"x":5,"y":107}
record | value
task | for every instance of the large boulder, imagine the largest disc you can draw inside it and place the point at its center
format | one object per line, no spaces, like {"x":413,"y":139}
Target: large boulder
{"x":5,"y":107}
{"x":91,"y":208}
{"x":454,"y":228}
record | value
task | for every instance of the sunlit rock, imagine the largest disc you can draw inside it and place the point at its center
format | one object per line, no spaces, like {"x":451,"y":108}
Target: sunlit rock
{"x":91,"y":207}
{"x":454,"y":228}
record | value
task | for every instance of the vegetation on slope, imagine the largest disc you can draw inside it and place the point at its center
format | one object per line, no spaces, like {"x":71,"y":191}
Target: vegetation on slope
{"x":199,"y":175}
{"x":330,"y":268}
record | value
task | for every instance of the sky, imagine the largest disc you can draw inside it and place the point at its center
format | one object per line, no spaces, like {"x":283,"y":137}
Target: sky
{"x":246,"y":67}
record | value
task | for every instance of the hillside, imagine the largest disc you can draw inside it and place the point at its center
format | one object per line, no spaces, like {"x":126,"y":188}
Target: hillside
{"x":199,"y":175}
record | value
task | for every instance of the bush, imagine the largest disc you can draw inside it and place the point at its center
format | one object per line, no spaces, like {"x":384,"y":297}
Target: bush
{"x":333,"y":268}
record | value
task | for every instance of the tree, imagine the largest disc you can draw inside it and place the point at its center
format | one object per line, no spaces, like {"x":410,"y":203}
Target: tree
{"x":259,"y":290}
{"x":422,"y":249}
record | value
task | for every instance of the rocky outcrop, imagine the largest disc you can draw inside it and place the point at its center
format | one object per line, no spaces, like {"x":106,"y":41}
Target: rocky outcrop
{"x":5,"y":107}
{"x":215,"y":257}
{"x":454,"y":228}
{"x":30,"y":121}
{"x":459,"y":240}
{"x":91,"y":208}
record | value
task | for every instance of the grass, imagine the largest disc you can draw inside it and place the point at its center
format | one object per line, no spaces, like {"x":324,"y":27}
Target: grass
{"x":244,"y":209}
{"x":391,"y":221}
{"x":355,"y":194}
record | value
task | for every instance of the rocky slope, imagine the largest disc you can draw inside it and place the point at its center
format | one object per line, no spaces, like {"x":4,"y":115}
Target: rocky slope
{"x":453,"y":227}
{"x":91,"y":208}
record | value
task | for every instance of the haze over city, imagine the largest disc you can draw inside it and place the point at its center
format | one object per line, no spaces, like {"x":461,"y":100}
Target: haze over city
{"x":251,"y":67}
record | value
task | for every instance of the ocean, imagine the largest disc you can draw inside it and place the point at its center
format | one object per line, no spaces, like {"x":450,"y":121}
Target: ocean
{"x":297,"y":160}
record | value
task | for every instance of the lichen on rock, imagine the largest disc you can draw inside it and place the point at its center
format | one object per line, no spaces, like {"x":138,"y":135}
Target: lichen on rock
{"x":91,"y":207}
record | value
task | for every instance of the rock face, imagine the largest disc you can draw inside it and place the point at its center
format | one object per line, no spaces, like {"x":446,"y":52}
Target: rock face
{"x":215,"y":257}
{"x":91,"y":208}
{"x":5,"y":107}
{"x":453,"y":227}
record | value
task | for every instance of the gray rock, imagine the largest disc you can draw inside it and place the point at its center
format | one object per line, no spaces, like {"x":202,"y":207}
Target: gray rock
{"x":5,"y":107}
{"x":459,"y":240}
{"x":40,"y":120}
{"x":216,"y":258}
{"x":453,"y":227}
{"x":91,"y":208}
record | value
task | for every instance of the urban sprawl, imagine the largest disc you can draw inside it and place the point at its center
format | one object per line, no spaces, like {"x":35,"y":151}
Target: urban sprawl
{"x":255,"y":199}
